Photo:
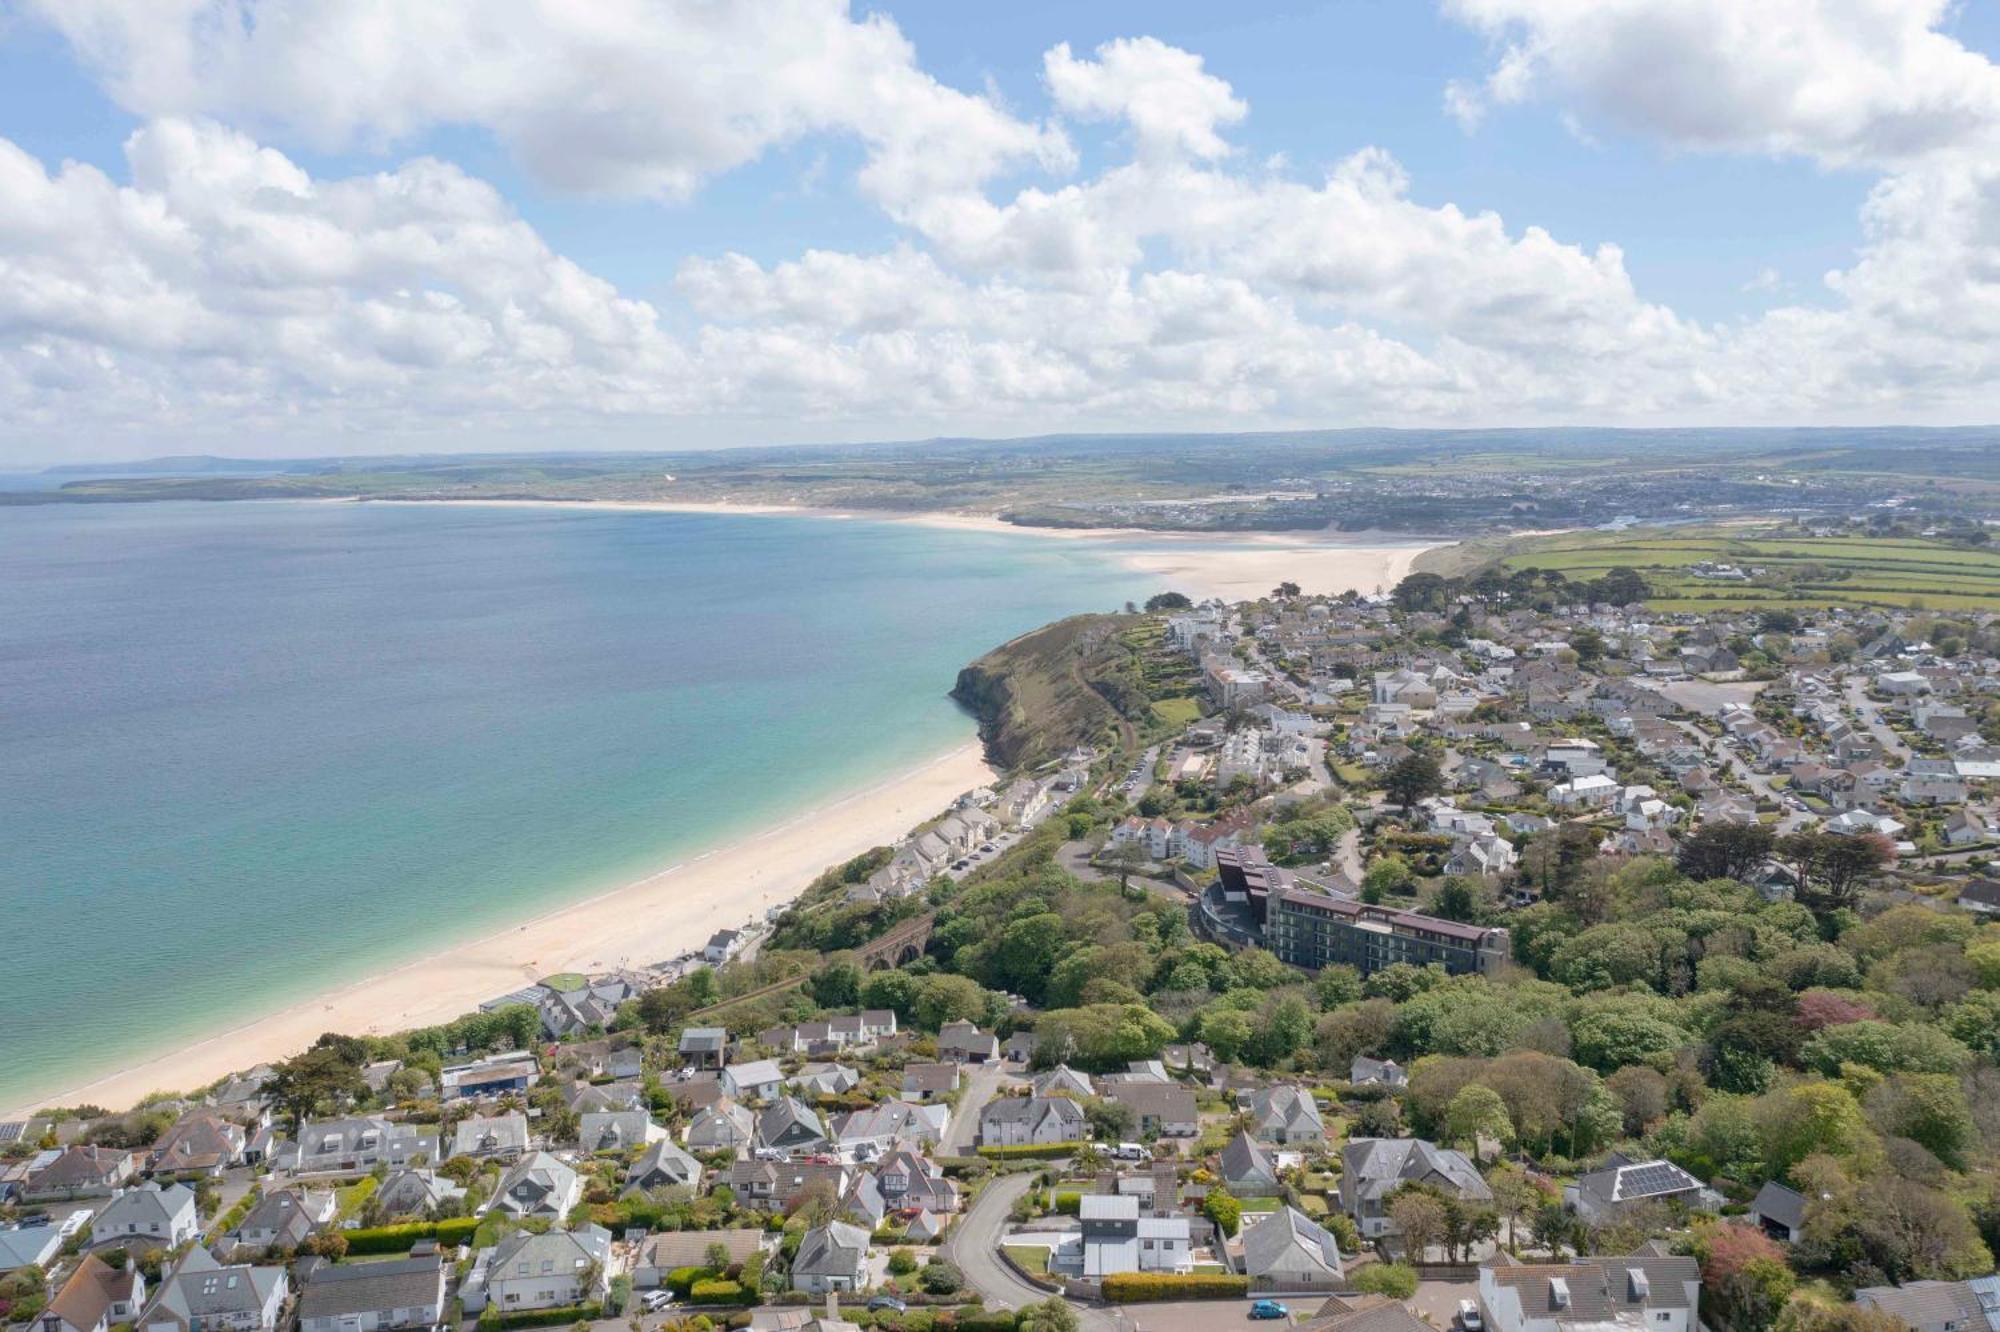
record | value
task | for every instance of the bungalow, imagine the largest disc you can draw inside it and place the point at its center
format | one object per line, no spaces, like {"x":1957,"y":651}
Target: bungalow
{"x":789,"y":1125}
{"x":925,"y":1082}
{"x":1247,"y":1168}
{"x":721,"y":946}
{"x":286,"y":1218}
{"x":96,"y":1297}
{"x":1288,"y":1247}
{"x":662,"y":1254}
{"x":1965,"y":828}
{"x":1604,"y":1196}
{"x":759,"y":1079}
{"x":1062,"y":1080}
{"x":663,"y":1165}
{"x":965,"y":1043}
{"x":203,"y":1295}
{"x":155,"y":1217}
{"x":32,"y":1247}
{"x":1982,"y":896}
{"x":1366,"y":1072}
{"x":414,"y":1192}
{"x":373,"y":1297}
{"x":879,"y":1126}
{"x":200,"y":1142}
{"x":1286,"y":1115}
{"x":79,"y":1172}
{"x":1927,"y":1306}
{"x":1163,"y":1110}
{"x":824,"y":1079}
{"x":831,"y":1257}
{"x":538,"y":1185}
{"x":548,"y":1271}
{"x":616,"y":1130}
{"x":724,"y":1125}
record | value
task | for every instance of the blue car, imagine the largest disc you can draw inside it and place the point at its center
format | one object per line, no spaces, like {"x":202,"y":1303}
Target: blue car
{"x":1269,"y":1309}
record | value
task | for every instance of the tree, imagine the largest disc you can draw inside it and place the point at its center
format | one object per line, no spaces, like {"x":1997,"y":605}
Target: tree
{"x":1642,"y":1097}
{"x":1747,"y":1274}
{"x":1128,"y":857}
{"x":1478,"y":1112}
{"x":1222,"y":1209}
{"x":1167,"y":601}
{"x":1456,"y":899}
{"x":321,"y":1076}
{"x":1285,"y":591}
{"x":1419,"y":1216}
{"x":1554,"y":1226}
{"x":1927,"y":1108}
{"x":836,"y":985}
{"x":1724,"y":851}
{"x":1832,"y":869}
{"x":1513,"y":1194}
{"x":1413,"y":779}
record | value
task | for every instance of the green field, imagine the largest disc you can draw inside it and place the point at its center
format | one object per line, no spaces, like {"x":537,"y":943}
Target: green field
{"x":1797,"y":572}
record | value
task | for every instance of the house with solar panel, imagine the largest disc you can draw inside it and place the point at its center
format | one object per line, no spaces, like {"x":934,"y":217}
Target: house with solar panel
{"x":1606,"y":1195}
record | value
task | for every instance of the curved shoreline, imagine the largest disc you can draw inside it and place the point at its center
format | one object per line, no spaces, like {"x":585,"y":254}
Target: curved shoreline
{"x":1233,"y":566}
{"x":653,"y":918}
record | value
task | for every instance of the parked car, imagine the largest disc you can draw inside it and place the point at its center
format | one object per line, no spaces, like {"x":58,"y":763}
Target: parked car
{"x":1269,"y":1309}
{"x":656,"y":1300}
{"x":1468,"y":1316}
{"x":888,"y":1302}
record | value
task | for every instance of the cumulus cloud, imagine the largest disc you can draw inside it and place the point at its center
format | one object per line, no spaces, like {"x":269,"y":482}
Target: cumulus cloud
{"x":613,"y":96}
{"x":218,"y":287}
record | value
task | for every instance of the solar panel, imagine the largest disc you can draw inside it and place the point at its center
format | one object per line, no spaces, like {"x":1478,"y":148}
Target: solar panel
{"x":1659,"y":1177}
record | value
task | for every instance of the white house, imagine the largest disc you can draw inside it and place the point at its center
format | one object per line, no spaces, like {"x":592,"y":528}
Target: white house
{"x":1117,"y":1239}
{"x":1640,"y":1291}
{"x":1287,"y":1246}
{"x":162,"y":1218}
{"x":1588,"y":792}
{"x":548,"y":1271}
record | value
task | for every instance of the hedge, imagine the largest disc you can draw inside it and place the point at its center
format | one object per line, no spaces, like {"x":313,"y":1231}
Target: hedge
{"x":1069,"y":1202}
{"x":400,"y":1238}
{"x":493,"y":1319}
{"x":1140,"y":1287}
{"x":681,"y":1279}
{"x":720,"y":1292}
{"x":1032,"y":1151}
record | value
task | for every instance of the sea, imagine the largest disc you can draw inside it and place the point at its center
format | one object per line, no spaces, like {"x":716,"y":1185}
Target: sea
{"x":252,"y":751}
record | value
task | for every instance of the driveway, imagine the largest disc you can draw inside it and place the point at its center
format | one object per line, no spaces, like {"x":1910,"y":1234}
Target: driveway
{"x":1790,"y":820}
{"x":974,"y":1248}
{"x":980,"y":1083}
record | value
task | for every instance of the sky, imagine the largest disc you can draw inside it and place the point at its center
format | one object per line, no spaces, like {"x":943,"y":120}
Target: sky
{"x":303,"y":227}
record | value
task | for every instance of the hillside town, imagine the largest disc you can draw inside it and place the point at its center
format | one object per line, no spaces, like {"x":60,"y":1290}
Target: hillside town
{"x":1486,"y":955}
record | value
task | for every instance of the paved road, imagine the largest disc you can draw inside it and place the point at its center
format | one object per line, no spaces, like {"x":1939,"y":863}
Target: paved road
{"x":1870,"y":714}
{"x":1790,"y":820}
{"x":974,"y":1248}
{"x":981,"y":1081}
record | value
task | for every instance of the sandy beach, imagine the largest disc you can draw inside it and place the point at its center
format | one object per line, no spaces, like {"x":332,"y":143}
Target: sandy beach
{"x":656,"y":918}
{"x":1234,"y":566}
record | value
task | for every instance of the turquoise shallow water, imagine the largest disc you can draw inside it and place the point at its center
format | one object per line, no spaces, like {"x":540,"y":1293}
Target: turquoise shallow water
{"x":248,"y":751}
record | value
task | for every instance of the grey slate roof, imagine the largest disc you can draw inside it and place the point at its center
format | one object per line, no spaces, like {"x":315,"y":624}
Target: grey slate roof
{"x":353,"y":1288}
{"x":1245,"y":1159}
{"x":1282,"y":1232}
{"x":1601,"y":1288}
{"x":1922,"y":1303}
{"x":1380,"y":1165}
{"x":1785,"y":1206}
{"x":834,"y":1249}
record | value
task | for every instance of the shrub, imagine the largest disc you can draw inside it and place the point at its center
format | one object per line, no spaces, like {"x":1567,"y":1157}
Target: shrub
{"x":720,"y":1292}
{"x":1032,"y":1151}
{"x":941,"y":1278}
{"x":681,"y":1280}
{"x":902,"y":1262}
{"x":1069,"y":1202}
{"x":399,"y":1239}
{"x":493,"y":1320}
{"x":1141,"y":1287}
{"x":1396,"y":1280}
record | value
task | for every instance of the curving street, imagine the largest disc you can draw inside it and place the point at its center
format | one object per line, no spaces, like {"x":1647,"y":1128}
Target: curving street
{"x":974,"y":1248}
